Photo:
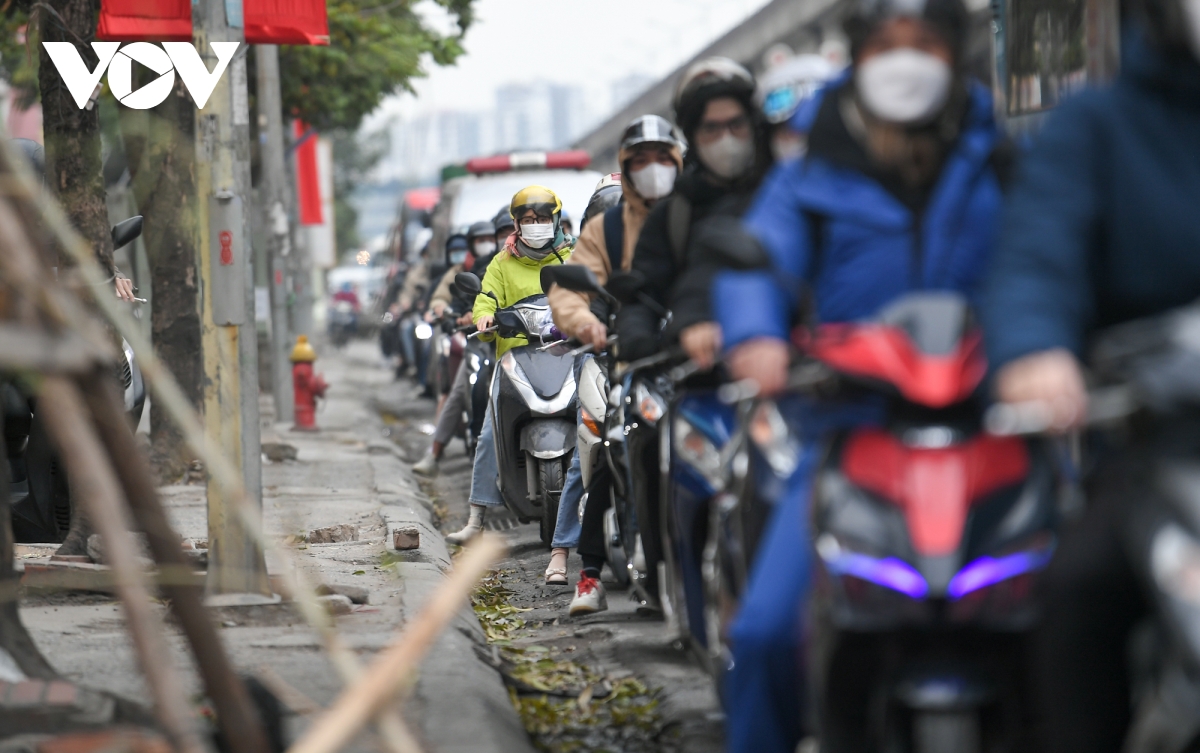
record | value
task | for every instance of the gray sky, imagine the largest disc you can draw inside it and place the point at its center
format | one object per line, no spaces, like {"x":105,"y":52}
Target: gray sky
{"x":586,"y":42}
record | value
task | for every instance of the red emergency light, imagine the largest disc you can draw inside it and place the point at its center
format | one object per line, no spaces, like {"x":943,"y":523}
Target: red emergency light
{"x":576,"y":159}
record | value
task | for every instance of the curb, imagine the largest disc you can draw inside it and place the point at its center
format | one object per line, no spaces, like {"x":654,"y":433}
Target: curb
{"x":460,"y":701}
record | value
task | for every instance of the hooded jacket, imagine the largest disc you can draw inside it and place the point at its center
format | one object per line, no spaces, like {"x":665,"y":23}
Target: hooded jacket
{"x":1103,"y":224}
{"x":572,"y":310}
{"x":871,"y":246}
{"x":512,"y":277}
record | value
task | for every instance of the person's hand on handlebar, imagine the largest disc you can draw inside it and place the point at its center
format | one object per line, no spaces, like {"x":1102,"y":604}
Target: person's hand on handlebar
{"x":438,"y":308}
{"x":485,"y":321}
{"x":1050,"y":377}
{"x":464,"y":320}
{"x":702,"y":343}
{"x":764,"y":360}
{"x":124,"y":289}
{"x":594,"y":334}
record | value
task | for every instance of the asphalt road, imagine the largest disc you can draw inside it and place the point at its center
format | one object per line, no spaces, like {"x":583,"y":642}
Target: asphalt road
{"x":619,"y":644}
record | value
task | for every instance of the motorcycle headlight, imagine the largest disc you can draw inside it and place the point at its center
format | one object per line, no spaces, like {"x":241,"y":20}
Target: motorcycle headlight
{"x":1175,"y":563}
{"x":987,"y":571}
{"x":475,"y":362}
{"x":649,"y":405}
{"x":423,"y":331}
{"x":387,"y":318}
{"x":698,"y":451}
{"x":889,"y":572}
{"x":771,"y":436}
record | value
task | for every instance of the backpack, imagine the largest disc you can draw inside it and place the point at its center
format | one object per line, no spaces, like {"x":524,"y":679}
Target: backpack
{"x":679,"y":224}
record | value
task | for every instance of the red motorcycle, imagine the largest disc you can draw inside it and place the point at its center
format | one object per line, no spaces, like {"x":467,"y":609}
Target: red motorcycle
{"x":928,"y":534}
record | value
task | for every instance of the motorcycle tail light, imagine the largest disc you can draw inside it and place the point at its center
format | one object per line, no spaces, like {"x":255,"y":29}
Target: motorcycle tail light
{"x":1175,"y":563}
{"x":589,"y":421}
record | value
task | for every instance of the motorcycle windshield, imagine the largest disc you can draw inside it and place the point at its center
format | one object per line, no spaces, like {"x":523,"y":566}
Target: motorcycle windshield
{"x":925,"y":346}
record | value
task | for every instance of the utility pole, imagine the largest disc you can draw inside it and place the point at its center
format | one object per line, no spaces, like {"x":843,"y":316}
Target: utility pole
{"x":237,"y":570}
{"x":275,"y":200}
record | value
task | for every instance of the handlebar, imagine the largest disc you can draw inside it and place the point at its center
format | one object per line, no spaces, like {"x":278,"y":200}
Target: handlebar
{"x":1105,"y":406}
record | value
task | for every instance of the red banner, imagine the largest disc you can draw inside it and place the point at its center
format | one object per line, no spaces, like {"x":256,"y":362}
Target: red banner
{"x":286,"y":22}
{"x":145,"y":21}
{"x":308,"y":177}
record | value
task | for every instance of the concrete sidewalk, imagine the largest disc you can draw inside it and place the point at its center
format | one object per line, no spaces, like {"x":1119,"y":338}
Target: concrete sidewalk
{"x":348,"y":473}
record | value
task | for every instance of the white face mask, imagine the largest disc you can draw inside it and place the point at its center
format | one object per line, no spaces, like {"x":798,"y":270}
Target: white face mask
{"x":536,"y":236}
{"x":904,"y":86}
{"x":654,"y":181}
{"x":1191,"y":14}
{"x":728,"y":157}
{"x":483,"y":249}
{"x":458,"y":257}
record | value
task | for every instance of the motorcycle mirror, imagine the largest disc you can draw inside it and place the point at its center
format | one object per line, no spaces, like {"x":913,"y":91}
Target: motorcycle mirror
{"x":467,"y":284}
{"x":126,"y":231}
{"x":624,"y":286}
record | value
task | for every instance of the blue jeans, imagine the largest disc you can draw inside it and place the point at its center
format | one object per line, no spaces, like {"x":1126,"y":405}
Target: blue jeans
{"x":485,"y":475}
{"x":568,"y":526}
{"x":763,"y":693}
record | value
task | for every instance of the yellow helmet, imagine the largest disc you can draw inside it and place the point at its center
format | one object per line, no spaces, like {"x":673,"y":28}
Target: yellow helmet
{"x":538,"y":198}
{"x":303,"y":352}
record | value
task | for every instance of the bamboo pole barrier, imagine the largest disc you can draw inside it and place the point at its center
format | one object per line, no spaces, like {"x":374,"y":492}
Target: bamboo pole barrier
{"x":235,"y":708}
{"x":170,"y":398}
{"x":393,"y":666}
{"x":94,"y":485}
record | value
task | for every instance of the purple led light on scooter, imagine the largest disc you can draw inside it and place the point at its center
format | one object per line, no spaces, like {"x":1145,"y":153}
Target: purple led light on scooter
{"x":987,"y":571}
{"x":889,"y":573}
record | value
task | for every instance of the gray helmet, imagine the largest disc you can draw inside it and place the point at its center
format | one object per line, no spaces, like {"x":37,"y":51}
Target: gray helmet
{"x":949,"y":17}
{"x":503,"y":221}
{"x":481,"y":230}
{"x":650,"y":128}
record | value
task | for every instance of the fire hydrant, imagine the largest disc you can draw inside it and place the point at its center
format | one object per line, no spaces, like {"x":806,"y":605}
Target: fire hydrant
{"x":306,"y":385}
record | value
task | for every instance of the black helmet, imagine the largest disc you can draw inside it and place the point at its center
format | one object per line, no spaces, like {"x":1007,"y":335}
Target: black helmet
{"x":482,"y":229}
{"x":949,"y":17}
{"x":34,"y":153}
{"x":503,"y":221}
{"x":650,"y":129}
{"x":708,"y":79}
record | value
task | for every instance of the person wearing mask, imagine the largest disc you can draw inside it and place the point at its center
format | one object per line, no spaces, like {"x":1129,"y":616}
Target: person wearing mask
{"x":651,"y":156}
{"x":514,"y":274}
{"x":729,"y":156}
{"x":900,"y":190}
{"x":568,"y":224}
{"x":481,"y":246}
{"x":1101,"y":228}
{"x":781,"y":90}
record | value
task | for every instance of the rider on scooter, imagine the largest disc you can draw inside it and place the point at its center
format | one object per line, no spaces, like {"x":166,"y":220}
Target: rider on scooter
{"x":482,"y":246}
{"x":1101,"y":229}
{"x":651,"y":157}
{"x":514,"y":274}
{"x":900,"y":190}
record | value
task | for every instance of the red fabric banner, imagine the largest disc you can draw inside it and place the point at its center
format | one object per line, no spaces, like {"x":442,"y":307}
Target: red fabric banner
{"x":308,"y":178}
{"x":286,"y":22}
{"x":145,"y":21}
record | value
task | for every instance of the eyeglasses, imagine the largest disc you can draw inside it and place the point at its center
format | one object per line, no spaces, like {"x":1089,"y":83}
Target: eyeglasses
{"x":711,"y":130}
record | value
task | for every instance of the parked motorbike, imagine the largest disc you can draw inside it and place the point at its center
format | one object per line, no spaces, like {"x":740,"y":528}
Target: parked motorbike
{"x":534,"y":410}
{"x":39,"y":495}
{"x":1147,"y":402}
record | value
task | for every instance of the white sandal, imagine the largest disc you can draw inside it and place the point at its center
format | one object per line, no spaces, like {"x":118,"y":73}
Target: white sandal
{"x":557,"y":576}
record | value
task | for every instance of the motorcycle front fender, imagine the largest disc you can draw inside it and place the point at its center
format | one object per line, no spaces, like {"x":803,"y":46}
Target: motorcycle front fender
{"x":548,"y":438}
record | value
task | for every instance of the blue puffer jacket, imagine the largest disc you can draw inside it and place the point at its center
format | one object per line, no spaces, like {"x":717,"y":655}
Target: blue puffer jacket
{"x":1103,"y":224}
{"x":873,"y":248}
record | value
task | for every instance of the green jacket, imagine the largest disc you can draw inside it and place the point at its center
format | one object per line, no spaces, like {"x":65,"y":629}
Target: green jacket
{"x":512,"y":278}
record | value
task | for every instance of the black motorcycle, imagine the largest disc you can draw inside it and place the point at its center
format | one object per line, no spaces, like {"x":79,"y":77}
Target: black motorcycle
{"x":39,"y":495}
